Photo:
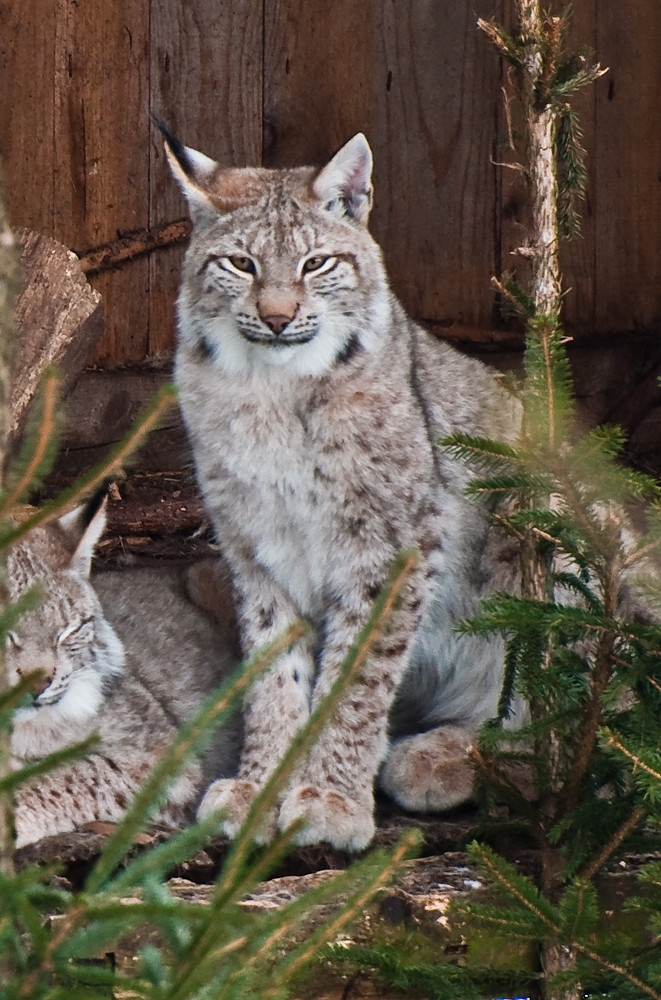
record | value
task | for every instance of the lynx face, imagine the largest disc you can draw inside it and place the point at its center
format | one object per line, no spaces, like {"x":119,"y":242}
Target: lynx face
{"x":281,"y":270}
{"x":65,"y":637}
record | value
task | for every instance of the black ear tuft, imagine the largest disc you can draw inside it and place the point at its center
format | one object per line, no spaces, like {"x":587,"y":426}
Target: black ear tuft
{"x":95,"y":503}
{"x":84,"y":526}
{"x":177,"y":148}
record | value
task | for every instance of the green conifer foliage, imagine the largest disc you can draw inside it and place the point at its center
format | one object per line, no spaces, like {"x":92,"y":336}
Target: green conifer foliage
{"x":581,"y":780}
{"x":582,"y":648}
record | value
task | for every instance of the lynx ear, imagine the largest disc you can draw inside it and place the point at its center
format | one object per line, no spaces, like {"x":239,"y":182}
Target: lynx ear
{"x":194,"y":171}
{"x":344,"y":185}
{"x":84,"y":526}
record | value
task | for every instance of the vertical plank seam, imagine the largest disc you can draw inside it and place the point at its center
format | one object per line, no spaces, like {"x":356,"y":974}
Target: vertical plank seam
{"x":57,"y":36}
{"x":498,"y":184}
{"x":150,"y":165}
{"x":595,"y":174}
{"x":263,"y":87}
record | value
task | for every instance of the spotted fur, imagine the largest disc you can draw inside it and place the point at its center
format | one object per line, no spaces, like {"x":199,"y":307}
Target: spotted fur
{"x":133,"y":700}
{"x":314,"y":406}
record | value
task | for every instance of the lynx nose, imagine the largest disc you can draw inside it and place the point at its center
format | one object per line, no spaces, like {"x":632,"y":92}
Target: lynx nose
{"x":40,"y":680}
{"x":277,"y":323}
{"x":39,"y":685}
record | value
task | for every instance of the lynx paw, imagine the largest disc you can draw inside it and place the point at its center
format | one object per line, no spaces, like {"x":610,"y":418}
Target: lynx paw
{"x":329,"y":817}
{"x":430,"y":772}
{"x":235,"y":797}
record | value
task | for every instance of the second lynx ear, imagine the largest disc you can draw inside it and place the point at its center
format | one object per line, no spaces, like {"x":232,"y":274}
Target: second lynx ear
{"x":345,"y":184}
{"x":84,"y":526}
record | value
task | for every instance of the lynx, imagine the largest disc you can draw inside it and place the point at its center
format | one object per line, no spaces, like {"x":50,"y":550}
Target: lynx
{"x":314,"y":406}
{"x":133,"y":697}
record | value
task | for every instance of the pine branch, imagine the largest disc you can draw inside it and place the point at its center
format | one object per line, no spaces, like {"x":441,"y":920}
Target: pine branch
{"x":497,"y":780}
{"x":90,"y":481}
{"x":10,"y":782}
{"x":629,"y":825}
{"x":517,"y":487}
{"x":619,"y":970}
{"x":572,"y":173}
{"x":232,"y":879}
{"x":550,"y":46}
{"x":611,"y":740}
{"x":515,"y":885}
{"x":579,"y":910}
{"x":508,"y":45}
{"x":528,"y":897}
{"x":437,"y":981}
{"x":573,"y":74}
{"x":468,"y":447}
{"x":69,"y":921}
{"x":571,"y":495}
{"x":519,"y":302}
{"x":591,"y":722}
{"x":640,"y":552}
{"x":162,"y":858}
{"x":40,"y":449}
{"x":214,"y":710}
{"x":356,"y":905}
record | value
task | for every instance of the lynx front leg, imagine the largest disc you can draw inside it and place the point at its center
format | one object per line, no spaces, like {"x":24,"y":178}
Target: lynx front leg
{"x":275,"y":708}
{"x":333,"y":793}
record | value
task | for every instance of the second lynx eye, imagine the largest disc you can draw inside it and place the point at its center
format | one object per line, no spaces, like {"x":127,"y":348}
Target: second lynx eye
{"x":245,"y":264}
{"x":317,"y":263}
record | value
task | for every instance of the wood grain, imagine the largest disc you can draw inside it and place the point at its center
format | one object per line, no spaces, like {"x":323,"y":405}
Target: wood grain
{"x":418,"y":80}
{"x":101,"y":130}
{"x":292,"y":81}
{"x":628,"y":159}
{"x":206,"y":83}
{"x":27,"y":89}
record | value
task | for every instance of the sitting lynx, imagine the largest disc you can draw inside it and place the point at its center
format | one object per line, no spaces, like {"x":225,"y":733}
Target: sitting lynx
{"x":134,"y":700}
{"x":314,"y":406}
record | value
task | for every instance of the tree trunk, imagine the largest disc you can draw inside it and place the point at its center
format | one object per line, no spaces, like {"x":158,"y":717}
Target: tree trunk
{"x":546,"y":295}
{"x":540,"y":125}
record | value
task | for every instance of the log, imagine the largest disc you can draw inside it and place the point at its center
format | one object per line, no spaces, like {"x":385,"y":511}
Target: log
{"x":59,"y":318}
{"x":413,"y":916}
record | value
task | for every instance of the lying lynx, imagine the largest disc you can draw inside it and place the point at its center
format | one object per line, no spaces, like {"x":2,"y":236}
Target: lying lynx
{"x":314,"y":406}
{"x":133,"y":699}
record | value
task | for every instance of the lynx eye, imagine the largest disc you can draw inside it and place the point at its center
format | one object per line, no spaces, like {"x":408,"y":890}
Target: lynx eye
{"x":318,"y":264}
{"x":78,"y":630}
{"x":237,"y":262}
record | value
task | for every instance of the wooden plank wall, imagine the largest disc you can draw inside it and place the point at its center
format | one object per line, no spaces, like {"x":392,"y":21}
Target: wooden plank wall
{"x":285,"y":81}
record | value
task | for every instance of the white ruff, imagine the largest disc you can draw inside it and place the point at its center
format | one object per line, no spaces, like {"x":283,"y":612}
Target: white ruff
{"x":81,"y":700}
{"x":236,"y":356}
{"x":40,"y":729}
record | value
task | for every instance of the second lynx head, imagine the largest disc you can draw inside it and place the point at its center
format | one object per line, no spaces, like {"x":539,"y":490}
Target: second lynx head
{"x":281,"y":271}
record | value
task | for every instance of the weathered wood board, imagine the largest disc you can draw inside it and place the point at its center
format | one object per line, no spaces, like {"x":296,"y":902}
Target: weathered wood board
{"x":287,"y":82}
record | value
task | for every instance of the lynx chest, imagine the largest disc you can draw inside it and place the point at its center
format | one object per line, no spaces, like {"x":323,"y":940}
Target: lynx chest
{"x":304,"y":474}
